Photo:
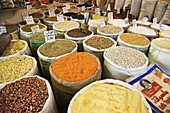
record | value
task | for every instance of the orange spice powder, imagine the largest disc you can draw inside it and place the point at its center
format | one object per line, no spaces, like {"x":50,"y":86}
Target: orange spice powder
{"x":75,"y":67}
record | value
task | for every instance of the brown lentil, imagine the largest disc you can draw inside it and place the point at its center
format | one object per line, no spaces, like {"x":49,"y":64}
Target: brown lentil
{"x":99,"y":42}
{"x":14,"y":47}
{"x":126,"y":57}
{"x":134,"y":39}
{"x":15,"y":67}
{"x":25,"y":95}
{"x":27,"y":28}
{"x":110,"y":29}
{"x":57,"y":48}
{"x":76,"y":33}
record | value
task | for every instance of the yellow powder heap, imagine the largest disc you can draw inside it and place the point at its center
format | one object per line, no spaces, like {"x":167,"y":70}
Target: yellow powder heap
{"x":75,"y":67}
{"x":165,"y":44}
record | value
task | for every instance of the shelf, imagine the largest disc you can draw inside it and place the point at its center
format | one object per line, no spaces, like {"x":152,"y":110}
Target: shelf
{"x":12,"y":9}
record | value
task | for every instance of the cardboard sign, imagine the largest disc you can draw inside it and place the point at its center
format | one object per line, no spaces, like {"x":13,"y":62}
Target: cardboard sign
{"x":3,"y":29}
{"x":154,"y":21}
{"x":60,"y":18}
{"x":29,"y":20}
{"x":110,"y":16}
{"x":49,"y":36}
{"x":102,"y":23}
{"x":134,"y":23}
{"x":97,"y":10}
{"x":24,"y":15}
{"x":2,"y":22}
{"x":35,"y":29}
{"x":65,"y":10}
{"x":51,"y":13}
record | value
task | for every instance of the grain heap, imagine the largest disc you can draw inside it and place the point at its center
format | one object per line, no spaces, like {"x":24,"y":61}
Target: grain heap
{"x":110,"y":29}
{"x":66,"y":25}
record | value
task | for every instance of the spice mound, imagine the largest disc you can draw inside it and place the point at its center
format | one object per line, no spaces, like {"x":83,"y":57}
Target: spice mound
{"x":57,"y":48}
{"x":36,"y":15}
{"x":25,"y":95}
{"x":110,"y":29}
{"x":75,"y":67}
{"x":134,"y":39}
{"x":14,"y":47}
{"x":76,"y":33}
{"x":15,"y":67}
{"x":27,"y":28}
{"x":53,"y":19}
{"x":109,"y":98}
{"x":126,"y":57}
{"x":99,"y":42}
{"x":66,"y":25}
{"x":74,"y":10}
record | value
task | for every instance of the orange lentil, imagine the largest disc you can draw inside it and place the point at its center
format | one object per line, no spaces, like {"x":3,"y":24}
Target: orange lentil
{"x":75,"y":67}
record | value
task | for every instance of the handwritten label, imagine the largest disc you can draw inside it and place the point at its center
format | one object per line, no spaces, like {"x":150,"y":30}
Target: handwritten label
{"x":2,"y":22}
{"x":49,"y":36}
{"x":29,"y":20}
{"x":108,"y":9}
{"x":83,"y":8}
{"x":67,"y":5}
{"x":51,"y":13}
{"x":60,"y":18}
{"x":118,"y":11}
{"x":50,"y":7}
{"x":35,"y":29}
{"x":25,"y":15}
{"x":160,"y":26}
{"x":29,"y":7}
{"x":2,"y":29}
{"x":110,"y":16}
{"x":102,"y":23}
{"x":154,"y":21}
{"x":134,"y":23}
{"x":65,"y":10}
{"x":97,"y":10}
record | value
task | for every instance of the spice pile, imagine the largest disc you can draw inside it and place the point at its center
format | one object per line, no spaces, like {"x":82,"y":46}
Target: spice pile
{"x":57,"y":48}
{"x":25,"y":95}
{"x":15,"y":67}
{"x":27,"y":28}
{"x":80,"y":17}
{"x":99,"y":42}
{"x":126,"y":57}
{"x":36,"y":15}
{"x":110,"y":29}
{"x":11,"y":28}
{"x":75,"y":67}
{"x":76,"y":33}
{"x":53,"y":19}
{"x":134,"y":39}
{"x":14,"y":47}
{"x":66,"y":25}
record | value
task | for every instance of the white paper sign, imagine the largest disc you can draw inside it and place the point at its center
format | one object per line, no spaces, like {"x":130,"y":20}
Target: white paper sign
{"x":160,"y":27}
{"x":83,"y":8}
{"x":29,"y":7}
{"x":154,"y":21}
{"x":2,"y":22}
{"x":49,"y":36}
{"x":65,"y":10}
{"x":110,"y":16}
{"x":29,"y":20}
{"x":50,"y":7}
{"x":108,"y":9}
{"x":134,"y":23}
{"x":2,"y":29}
{"x":97,"y":10}
{"x":118,"y":11}
{"x":51,"y":13}
{"x":35,"y":29}
{"x":67,"y":5}
{"x":102,"y":23}
{"x":25,"y":15}
{"x":60,"y":18}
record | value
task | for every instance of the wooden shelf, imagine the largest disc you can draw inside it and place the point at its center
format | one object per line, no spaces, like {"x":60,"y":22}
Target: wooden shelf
{"x":12,"y":9}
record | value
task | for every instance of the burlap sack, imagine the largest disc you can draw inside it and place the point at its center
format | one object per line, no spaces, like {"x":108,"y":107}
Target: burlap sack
{"x":135,"y":7}
{"x":166,"y":17}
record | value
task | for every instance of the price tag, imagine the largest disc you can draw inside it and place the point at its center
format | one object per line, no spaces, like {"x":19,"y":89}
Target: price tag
{"x":35,"y":29}
{"x":83,"y":8}
{"x":134,"y":23}
{"x":2,"y":29}
{"x":118,"y":11}
{"x":25,"y":15}
{"x":29,"y":7}
{"x":154,"y":21}
{"x":51,"y":13}
{"x":2,"y":22}
{"x":65,"y":10}
{"x":29,"y":20}
{"x":60,"y":18}
{"x":102,"y":23}
{"x":50,"y":7}
{"x":67,"y":5}
{"x":160,"y":27}
{"x":108,"y":9}
{"x":49,"y":36}
{"x":97,"y":10}
{"x":110,"y":16}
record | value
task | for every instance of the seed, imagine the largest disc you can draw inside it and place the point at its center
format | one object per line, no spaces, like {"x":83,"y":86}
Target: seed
{"x":110,"y":29}
{"x":66,"y":25}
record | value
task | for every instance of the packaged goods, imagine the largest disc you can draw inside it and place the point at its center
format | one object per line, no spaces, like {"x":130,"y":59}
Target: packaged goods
{"x":164,"y":34}
{"x":157,"y":27}
{"x":135,"y":7}
{"x":72,"y":72}
{"x":16,"y":67}
{"x":135,"y":41}
{"x":49,"y":52}
{"x":166,"y":19}
{"x":97,"y":44}
{"x":154,"y":85}
{"x":109,"y":96}
{"x":119,"y":22}
{"x":110,"y":31}
{"x":145,"y":31}
{"x":159,"y":53}
{"x":29,"y":94}
{"x":36,"y":15}
{"x":124,"y":62}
